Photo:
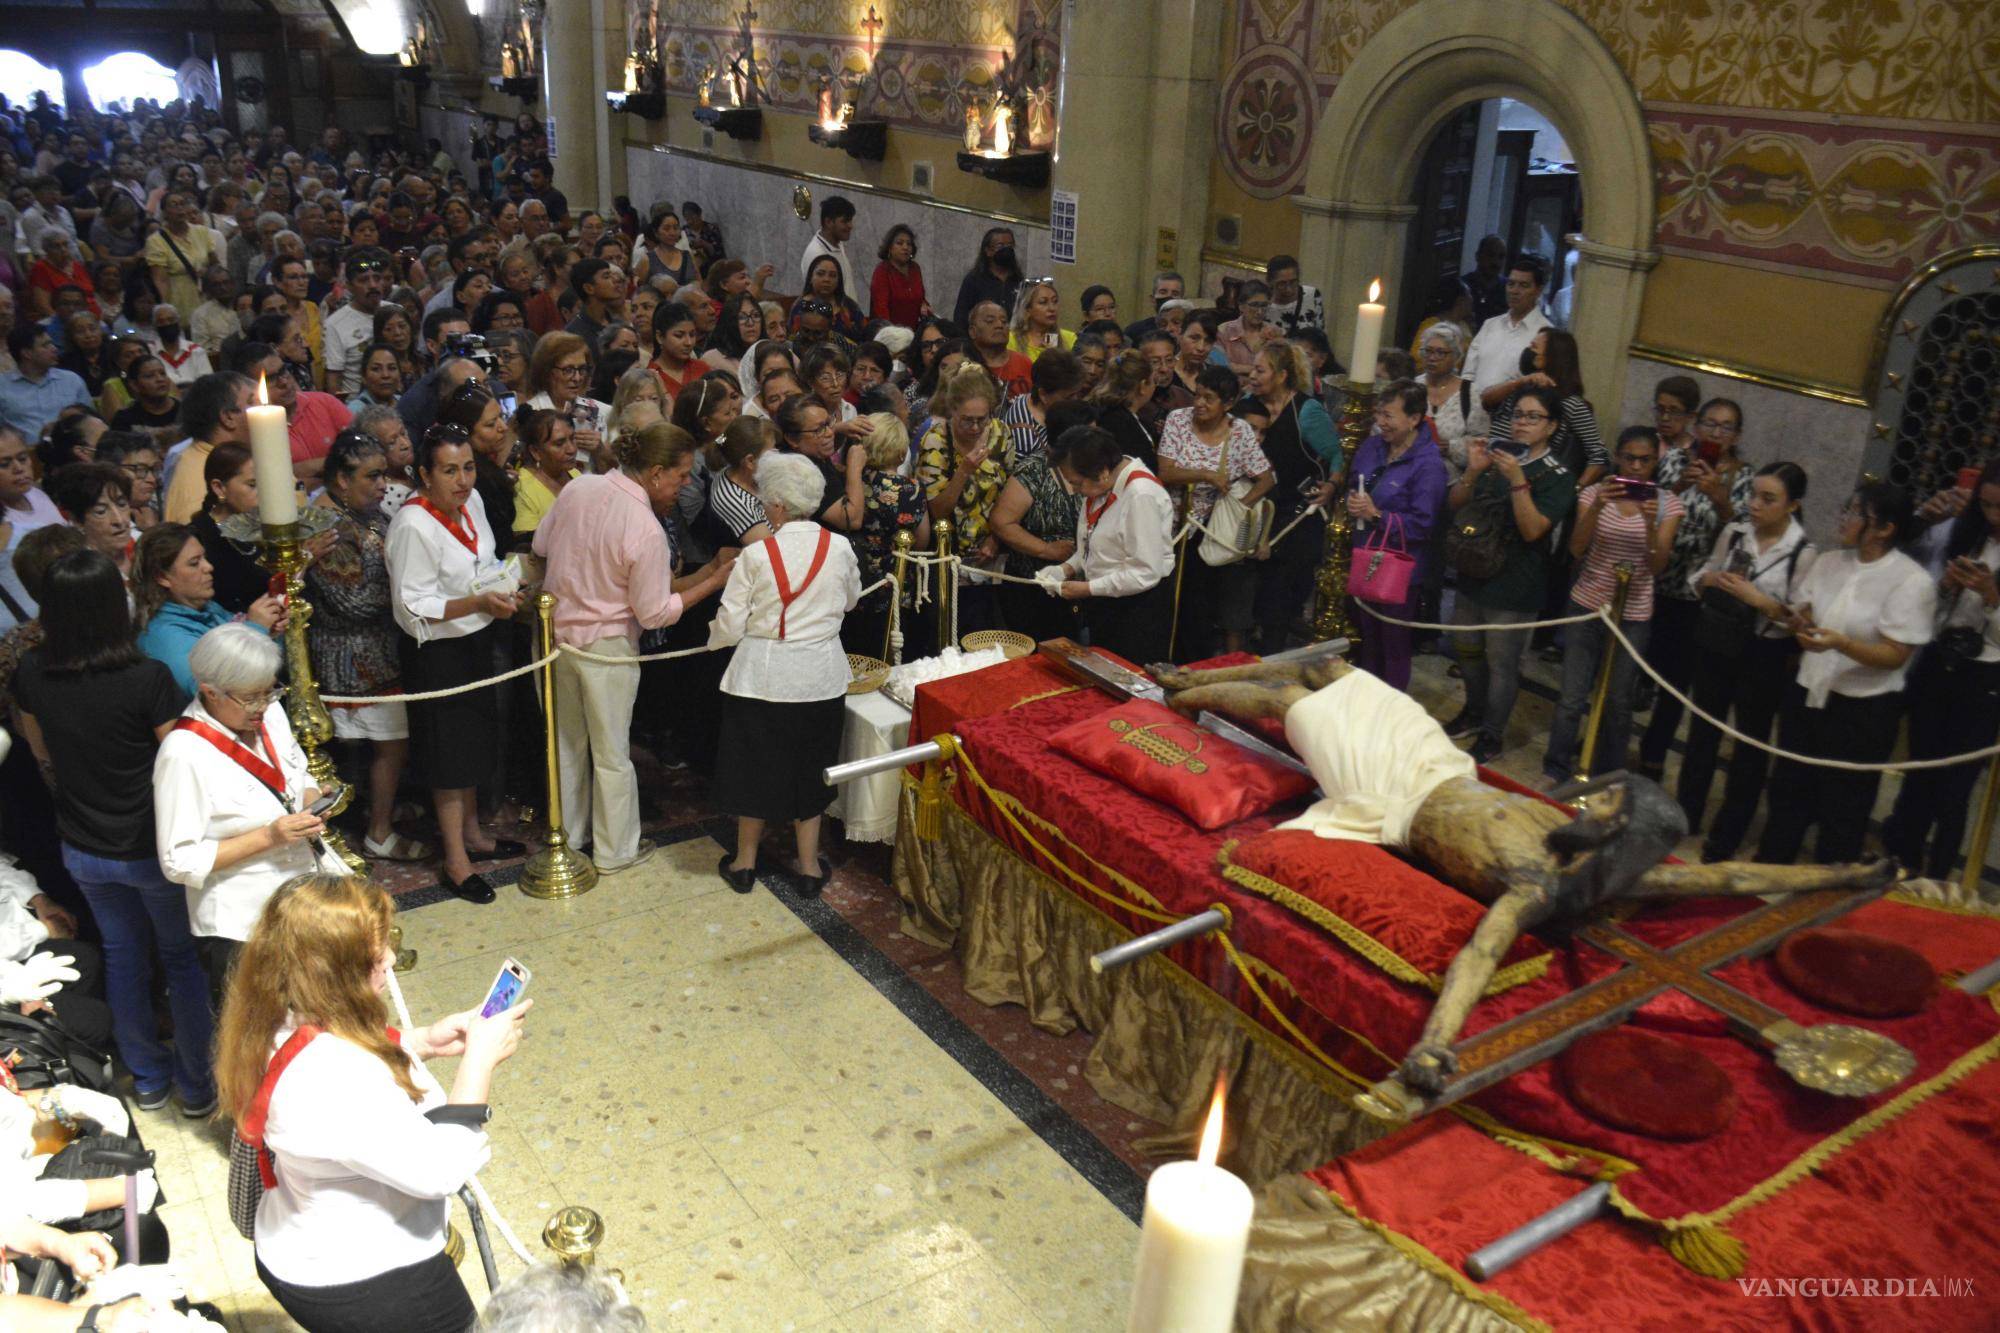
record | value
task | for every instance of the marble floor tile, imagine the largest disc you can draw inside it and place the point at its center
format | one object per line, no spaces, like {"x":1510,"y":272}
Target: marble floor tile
{"x":800,"y":1150}
{"x":664,"y":1197}
{"x":870,"y":1236}
{"x":741,"y":1279}
{"x":971,"y":1295}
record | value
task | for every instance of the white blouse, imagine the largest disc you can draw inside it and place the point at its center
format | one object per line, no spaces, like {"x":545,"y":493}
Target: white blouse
{"x":1889,"y":598}
{"x":1964,"y":609}
{"x":429,"y":567}
{"x":202,"y":796}
{"x":364,"y":1180}
{"x":1130,"y":547}
{"x":1772,"y":572}
{"x":808,"y":663}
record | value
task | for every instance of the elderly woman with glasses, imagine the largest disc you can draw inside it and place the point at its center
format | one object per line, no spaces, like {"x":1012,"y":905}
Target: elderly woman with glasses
{"x":1240,"y":339}
{"x":558,"y":376}
{"x":784,"y":694}
{"x":232,"y":802}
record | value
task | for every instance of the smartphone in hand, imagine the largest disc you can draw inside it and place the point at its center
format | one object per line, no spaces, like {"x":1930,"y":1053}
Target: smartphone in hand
{"x":326,"y":801}
{"x":1636,"y":489}
{"x":508,"y":986}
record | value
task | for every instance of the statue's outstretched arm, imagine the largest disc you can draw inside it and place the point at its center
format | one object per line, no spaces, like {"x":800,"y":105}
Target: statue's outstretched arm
{"x":1172,"y":677}
{"x":1430,"y":1061}
{"x":1726,"y":878}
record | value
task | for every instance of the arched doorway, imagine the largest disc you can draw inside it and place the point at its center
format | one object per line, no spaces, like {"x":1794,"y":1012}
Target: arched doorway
{"x":22,"y":76}
{"x":116,"y":82}
{"x":1425,"y":64}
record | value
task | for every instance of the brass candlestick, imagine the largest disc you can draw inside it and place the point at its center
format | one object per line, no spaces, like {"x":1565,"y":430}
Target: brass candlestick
{"x":947,"y":582}
{"x":1330,"y":620}
{"x":558,"y":870}
{"x":285,"y":556}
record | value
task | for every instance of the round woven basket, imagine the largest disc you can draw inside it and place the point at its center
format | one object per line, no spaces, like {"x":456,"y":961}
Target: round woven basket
{"x":1009,"y":642}
{"x":865,"y":673}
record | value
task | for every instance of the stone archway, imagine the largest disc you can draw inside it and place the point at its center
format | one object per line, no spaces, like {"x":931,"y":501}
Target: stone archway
{"x":1423,"y":65}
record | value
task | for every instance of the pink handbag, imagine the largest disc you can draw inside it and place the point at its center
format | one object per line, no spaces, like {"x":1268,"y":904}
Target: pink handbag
{"x":1379,"y":572}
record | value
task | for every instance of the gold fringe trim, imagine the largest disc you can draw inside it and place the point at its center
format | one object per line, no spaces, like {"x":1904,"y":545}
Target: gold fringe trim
{"x":1415,"y":1251}
{"x":930,"y":792}
{"x":1908,"y":899}
{"x":1056,"y":693}
{"x":1709,"y":1249}
{"x":1359,"y":940}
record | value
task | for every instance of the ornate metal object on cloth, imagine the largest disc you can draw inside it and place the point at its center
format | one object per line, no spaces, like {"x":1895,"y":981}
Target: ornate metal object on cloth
{"x":1844,"y":1060}
{"x":1330,"y":620}
{"x":1158,"y":744}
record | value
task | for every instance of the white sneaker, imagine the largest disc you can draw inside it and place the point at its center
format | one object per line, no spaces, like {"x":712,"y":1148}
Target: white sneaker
{"x":645,"y":853}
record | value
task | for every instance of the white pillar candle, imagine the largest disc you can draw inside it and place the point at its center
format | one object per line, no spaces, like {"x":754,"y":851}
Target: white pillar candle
{"x":271,"y":447}
{"x":1367,"y":335}
{"x":1196,"y":1227}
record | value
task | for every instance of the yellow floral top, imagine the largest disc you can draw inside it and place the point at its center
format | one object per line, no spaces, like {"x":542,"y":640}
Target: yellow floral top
{"x":972,"y":515}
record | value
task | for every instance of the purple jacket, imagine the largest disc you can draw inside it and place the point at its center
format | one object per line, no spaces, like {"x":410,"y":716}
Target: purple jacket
{"x":1413,"y":486}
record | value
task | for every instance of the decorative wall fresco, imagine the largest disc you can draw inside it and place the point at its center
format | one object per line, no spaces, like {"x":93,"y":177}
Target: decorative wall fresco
{"x":926,"y":57}
{"x":1783,"y":186}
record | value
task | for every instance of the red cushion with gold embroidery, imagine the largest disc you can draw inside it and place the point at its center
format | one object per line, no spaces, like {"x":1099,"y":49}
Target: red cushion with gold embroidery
{"x":1406,"y":922}
{"x":1158,"y":753}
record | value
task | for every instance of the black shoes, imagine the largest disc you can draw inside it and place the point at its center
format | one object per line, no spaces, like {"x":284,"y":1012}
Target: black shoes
{"x":1485,"y":750}
{"x":504,"y":849}
{"x":472,"y":889}
{"x":740,"y":880}
{"x":811,"y":886}
{"x":1465,"y":725}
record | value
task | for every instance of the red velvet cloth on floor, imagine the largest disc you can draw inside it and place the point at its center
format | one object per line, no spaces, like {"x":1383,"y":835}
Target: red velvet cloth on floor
{"x":1110,"y":846}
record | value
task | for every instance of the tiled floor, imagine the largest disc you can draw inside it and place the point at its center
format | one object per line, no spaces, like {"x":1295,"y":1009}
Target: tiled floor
{"x":771,"y":1143}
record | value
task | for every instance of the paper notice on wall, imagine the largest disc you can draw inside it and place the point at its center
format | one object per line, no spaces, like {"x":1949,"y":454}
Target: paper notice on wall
{"x":1062,"y":226}
{"x":549,"y":131}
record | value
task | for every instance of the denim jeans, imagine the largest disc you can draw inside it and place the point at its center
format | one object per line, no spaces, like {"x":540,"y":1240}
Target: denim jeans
{"x":1583,"y":649}
{"x":136,"y":907}
{"x":1491,"y":663}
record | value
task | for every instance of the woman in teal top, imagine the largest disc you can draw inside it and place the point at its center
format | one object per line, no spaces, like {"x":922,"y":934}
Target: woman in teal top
{"x":173,"y":593}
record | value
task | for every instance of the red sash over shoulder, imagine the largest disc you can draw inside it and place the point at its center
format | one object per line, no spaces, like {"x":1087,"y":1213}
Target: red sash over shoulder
{"x":263,"y":767}
{"x":787,"y":594}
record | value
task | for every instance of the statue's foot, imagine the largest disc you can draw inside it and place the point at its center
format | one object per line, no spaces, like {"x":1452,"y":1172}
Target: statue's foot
{"x":1170,"y":676}
{"x":1427,"y":1068}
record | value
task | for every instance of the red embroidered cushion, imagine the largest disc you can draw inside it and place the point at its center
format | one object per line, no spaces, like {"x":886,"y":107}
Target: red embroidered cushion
{"x":1160,"y":754}
{"x":1382,"y":907}
{"x":1857,"y":972}
{"x":1647,"y":1084}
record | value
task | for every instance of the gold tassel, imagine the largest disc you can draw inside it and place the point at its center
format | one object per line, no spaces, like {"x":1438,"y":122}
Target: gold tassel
{"x":1707,"y":1250}
{"x":930,"y":792}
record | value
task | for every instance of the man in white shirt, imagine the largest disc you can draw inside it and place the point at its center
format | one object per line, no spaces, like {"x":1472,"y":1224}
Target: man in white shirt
{"x":1294,"y":304}
{"x":836,"y":224}
{"x":350,"y":329}
{"x":1495,"y":355}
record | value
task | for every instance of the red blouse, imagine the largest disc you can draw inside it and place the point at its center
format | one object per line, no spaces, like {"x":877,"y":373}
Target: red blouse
{"x":896,"y":297}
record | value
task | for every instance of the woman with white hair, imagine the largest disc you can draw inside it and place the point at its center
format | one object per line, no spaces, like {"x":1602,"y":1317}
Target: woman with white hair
{"x":560,"y":1298}
{"x":232,"y":801}
{"x":784,"y":692}
{"x":1456,"y":414}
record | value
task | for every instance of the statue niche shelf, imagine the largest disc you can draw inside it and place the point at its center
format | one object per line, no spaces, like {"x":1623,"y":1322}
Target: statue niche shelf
{"x":527,"y":88}
{"x":646,"y":106}
{"x":738,"y":122}
{"x":1029,"y":170}
{"x":862,"y":140}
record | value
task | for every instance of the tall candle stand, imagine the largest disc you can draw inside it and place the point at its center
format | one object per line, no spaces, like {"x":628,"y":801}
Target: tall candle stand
{"x":285,"y":556}
{"x":1330,"y":620}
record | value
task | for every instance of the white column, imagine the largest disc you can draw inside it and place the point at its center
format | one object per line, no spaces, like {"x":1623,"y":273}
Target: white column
{"x":572,"y":100}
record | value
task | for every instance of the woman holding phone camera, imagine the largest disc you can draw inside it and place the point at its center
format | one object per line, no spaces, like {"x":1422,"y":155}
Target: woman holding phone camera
{"x":1625,"y":521}
{"x":365,"y":1146}
{"x":1862,"y":613}
{"x":1744,"y":651}
{"x":233,"y":805}
{"x":1713,"y":481}
{"x":1954,"y":689}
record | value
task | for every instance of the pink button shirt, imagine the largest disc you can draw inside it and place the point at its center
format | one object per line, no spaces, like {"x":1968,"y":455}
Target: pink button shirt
{"x":608,"y":561}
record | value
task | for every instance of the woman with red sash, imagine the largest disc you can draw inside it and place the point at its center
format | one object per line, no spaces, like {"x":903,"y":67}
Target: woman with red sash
{"x":447,"y":588}
{"x":231,"y":795}
{"x":784,"y":694}
{"x":1123,"y":567}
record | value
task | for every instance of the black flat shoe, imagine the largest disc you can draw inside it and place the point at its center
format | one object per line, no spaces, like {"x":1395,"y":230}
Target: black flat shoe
{"x":740,"y":880}
{"x":504,"y":849}
{"x":811,"y":886}
{"x":472,"y":889}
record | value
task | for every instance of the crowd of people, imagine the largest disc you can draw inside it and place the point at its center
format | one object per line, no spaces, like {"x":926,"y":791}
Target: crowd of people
{"x":490,"y":390}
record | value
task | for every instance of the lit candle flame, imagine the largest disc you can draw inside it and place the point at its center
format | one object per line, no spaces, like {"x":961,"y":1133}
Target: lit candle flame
{"x":1211,"y":1133}
{"x":1374,"y":291}
{"x":263,"y":393}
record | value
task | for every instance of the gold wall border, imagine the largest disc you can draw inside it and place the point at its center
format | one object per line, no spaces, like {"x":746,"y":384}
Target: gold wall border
{"x":1832,"y":393}
{"x":841,"y":182}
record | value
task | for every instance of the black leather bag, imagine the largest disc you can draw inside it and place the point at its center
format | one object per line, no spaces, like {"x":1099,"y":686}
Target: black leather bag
{"x":48,"y":1054}
{"x":1476,"y":543}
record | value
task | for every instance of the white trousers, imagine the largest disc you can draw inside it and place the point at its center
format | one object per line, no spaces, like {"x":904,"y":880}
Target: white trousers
{"x":594,"y":747}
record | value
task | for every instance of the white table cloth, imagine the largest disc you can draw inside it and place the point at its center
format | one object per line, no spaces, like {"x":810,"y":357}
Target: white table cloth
{"x":867,"y":807}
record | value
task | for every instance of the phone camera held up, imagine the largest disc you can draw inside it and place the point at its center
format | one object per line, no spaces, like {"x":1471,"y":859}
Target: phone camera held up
{"x":474,"y":349}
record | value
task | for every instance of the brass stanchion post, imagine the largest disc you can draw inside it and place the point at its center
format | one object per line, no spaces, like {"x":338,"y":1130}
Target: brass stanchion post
{"x":947,"y":583}
{"x":573,"y":1235}
{"x":284,"y":555}
{"x":1331,"y":621}
{"x":1982,"y":831}
{"x":1587,"y":754}
{"x":891,"y":651}
{"x":558,"y":870}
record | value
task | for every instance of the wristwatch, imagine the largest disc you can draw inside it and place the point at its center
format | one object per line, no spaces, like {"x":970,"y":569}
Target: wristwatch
{"x":89,"y":1324}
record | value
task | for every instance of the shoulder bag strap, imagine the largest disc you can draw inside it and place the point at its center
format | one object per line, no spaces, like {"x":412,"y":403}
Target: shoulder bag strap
{"x":188,"y":268}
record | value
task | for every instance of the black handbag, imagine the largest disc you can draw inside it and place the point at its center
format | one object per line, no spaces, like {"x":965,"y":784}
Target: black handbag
{"x":1725,"y":626}
{"x":45,"y":1053}
{"x":1476,"y":543}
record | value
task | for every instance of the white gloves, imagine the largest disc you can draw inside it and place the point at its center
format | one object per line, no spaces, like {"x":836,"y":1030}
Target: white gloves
{"x":83,"y":1104}
{"x":1050,"y":579}
{"x":36,"y":978}
{"x":149,"y":1190}
{"x":159,"y":1285}
{"x":53,"y":1201}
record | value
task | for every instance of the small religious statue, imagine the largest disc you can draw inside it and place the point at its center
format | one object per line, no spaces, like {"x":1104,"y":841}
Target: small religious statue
{"x":1041,"y":119}
{"x":975,"y":127}
{"x":1388,"y":774}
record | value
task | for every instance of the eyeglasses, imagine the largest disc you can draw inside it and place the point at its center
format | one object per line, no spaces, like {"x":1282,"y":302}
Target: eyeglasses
{"x":1664,"y":410}
{"x":1256,"y":305}
{"x":1532,"y":418}
{"x":258,"y":702}
{"x":830,"y":375}
{"x":574,"y":372}
{"x":973,"y":423}
{"x":1719,"y":427}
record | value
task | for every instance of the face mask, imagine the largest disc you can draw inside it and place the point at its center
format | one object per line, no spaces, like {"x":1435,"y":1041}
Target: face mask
{"x":1004,"y":257}
{"x":169,"y":333}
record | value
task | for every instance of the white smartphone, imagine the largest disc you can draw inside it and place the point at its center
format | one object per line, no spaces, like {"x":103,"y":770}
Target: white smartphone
{"x":508,"y":987}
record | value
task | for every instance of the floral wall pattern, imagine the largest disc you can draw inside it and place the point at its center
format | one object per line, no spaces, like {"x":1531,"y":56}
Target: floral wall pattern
{"x":1851,"y":139}
{"x":927,"y":55}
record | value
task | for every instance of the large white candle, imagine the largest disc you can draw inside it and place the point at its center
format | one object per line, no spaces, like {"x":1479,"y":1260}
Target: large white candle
{"x":1191,"y":1249}
{"x":271,"y":447}
{"x":1367,"y":335}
